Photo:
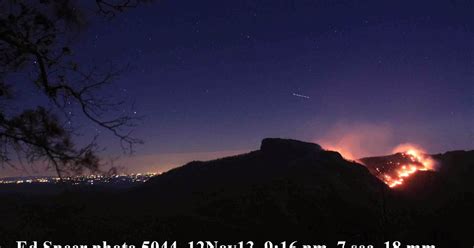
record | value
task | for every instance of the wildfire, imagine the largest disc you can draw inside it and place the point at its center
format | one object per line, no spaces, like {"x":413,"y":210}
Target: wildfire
{"x":395,"y":169}
{"x":413,"y":160}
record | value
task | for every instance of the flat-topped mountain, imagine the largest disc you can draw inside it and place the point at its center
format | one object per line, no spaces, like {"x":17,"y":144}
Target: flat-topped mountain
{"x":286,"y":186}
{"x":277,"y":160}
{"x":286,"y":190}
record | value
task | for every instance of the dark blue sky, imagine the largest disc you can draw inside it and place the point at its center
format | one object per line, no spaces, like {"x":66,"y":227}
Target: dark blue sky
{"x":215,"y":77}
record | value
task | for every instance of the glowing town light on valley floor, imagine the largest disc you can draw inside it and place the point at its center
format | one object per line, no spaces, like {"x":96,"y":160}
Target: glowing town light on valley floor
{"x":85,"y":179}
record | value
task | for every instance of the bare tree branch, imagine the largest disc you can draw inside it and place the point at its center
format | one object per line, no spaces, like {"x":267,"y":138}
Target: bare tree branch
{"x":34,"y":35}
{"x":110,"y":8}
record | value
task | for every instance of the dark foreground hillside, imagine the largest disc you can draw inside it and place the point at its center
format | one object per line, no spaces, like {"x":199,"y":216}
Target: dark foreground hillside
{"x":286,"y":190}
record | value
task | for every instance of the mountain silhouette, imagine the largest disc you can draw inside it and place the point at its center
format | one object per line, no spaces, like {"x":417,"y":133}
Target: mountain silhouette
{"x":276,"y":160}
{"x":285,"y":185}
{"x":286,"y":190}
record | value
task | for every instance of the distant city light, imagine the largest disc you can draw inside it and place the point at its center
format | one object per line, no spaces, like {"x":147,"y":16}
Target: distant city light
{"x":83,"y":180}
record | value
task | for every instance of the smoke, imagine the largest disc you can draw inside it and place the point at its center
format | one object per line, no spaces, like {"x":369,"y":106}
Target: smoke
{"x":407,"y":146}
{"x":354,"y":141}
{"x":419,"y":153}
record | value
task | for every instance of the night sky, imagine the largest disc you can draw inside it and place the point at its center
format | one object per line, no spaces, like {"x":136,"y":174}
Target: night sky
{"x":213,"y":78}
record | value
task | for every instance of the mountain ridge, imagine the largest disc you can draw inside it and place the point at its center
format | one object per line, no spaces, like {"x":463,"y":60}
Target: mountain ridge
{"x":286,"y":189}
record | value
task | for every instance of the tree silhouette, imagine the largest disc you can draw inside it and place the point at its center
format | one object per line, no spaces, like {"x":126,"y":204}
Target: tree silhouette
{"x":33,"y":41}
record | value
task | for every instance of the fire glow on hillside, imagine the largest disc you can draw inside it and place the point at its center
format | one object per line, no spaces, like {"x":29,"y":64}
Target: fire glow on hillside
{"x":395,"y":169}
{"x":418,"y":162}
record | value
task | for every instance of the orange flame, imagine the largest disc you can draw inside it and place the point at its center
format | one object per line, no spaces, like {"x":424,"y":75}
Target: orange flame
{"x":421,"y":162}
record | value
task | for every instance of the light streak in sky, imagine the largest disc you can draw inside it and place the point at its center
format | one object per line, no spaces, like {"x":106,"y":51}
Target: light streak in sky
{"x":302,"y":96}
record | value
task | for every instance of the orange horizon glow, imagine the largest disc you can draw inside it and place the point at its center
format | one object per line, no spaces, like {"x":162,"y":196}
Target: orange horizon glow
{"x":345,"y":153}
